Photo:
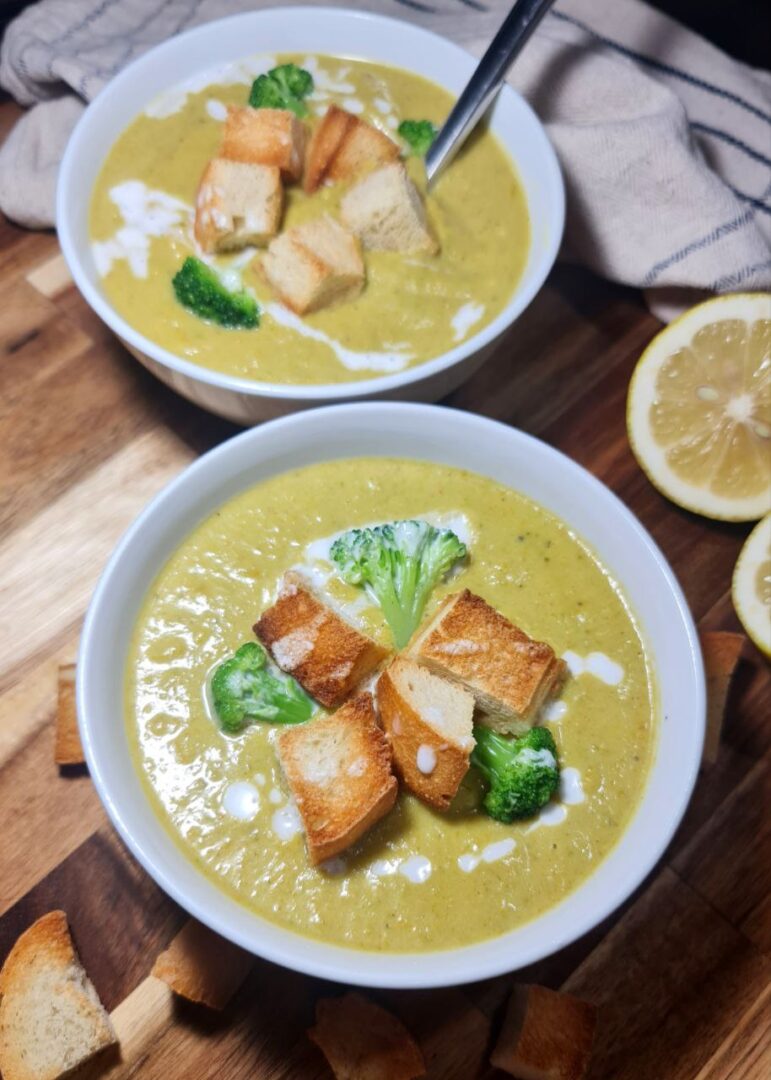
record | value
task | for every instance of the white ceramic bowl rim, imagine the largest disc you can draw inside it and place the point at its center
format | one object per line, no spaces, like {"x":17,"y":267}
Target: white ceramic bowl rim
{"x":69,"y":188}
{"x":434,"y":434}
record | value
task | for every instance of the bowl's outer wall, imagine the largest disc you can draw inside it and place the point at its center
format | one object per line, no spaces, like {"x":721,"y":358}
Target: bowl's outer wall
{"x":452,"y":438}
{"x":325,"y":30}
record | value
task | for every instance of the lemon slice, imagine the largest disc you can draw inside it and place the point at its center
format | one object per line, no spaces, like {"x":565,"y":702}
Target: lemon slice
{"x":751,"y":588}
{"x":699,"y":408}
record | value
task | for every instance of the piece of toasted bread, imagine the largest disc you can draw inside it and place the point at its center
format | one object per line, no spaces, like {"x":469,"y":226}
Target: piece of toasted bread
{"x":67,"y":746}
{"x":361,"y":1041}
{"x":51,"y":1019}
{"x":385,"y":209}
{"x":721,"y":651}
{"x":201,"y":966}
{"x":265,"y":137}
{"x":237,"y":205}
{"x":546,"y":1035}
{"x":323,"y":145}
{"x":314,"y":265}
{"x":429,"y":723}
{"x":510,"y":675}
{"x":338,"y":769}
{"x":326,"y":655}
{"x":362,"y":148}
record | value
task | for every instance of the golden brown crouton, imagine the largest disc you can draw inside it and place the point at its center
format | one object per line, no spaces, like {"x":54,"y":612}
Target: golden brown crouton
{"x":338,"y":769}
{"x":326,"y":655}
{"x":361,"y":1041}
{"x":546,"y":1035}
{"x":428,"y":721}
{"x":201,"y":966}
{"x":237,"y":205}
{"x":67,"y":748}
{"x":343,"y":146}
{"x":385,"y":209}
{"x":265,"y":137}
{"x":314,"y":265}
{"x":51,"y":1019}
{"x":510,"y":675}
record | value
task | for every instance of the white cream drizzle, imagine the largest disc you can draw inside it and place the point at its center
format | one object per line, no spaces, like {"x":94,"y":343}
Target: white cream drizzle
{"x":425,"y":759}
{"x":597,"y":664}
{"x":571,"y":791}
{"x":241,"y":800}
{"x":492,"y":853}
{"x":229,"y":74}
{"x":388,"y":362}
{"x":276,"y":796}
{"x":334,"y":866}
{"x":464,"y":318}
{"x":217,"y":110}
{"x":416,"y":869}
{"x":146,"y":213}
{"x":286,"y":822}
{"x":554,"y":711}
{"x":353,"y":105}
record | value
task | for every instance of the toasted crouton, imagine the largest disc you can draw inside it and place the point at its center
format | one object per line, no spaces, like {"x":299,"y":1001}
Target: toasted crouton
{"x":314,"y":265}
{"x":237,"y":204}
{"x":51,"y":1019}
{"x":326,"y":655}
{"x":265,"y":137}
{"x":385,"y":209}
{"x":343,"y":146}
{"x":67,"y":747}
{"x":546,"y":1035}
{"x":201,"y":966}
{"x":338,"y":769}
{"x":324,"y":144}
{"x":510,"y":675}
{"x":361,"y":1041}
{"x":428,"y":721}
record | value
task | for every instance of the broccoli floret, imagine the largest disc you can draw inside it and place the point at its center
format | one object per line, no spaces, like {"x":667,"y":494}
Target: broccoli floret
{"x":523,"y":773}
{"x":398,"y":564}
{"x":418,"y":134}
{"x":198,"y":288}
{"x":283,"y":87}
{"x":244,"y":689}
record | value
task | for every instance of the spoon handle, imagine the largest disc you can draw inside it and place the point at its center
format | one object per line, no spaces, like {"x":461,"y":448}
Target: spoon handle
{"x":485,"y":82}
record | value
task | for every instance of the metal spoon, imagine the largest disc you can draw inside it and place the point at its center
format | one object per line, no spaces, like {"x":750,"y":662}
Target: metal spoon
{"x":485,"y":83}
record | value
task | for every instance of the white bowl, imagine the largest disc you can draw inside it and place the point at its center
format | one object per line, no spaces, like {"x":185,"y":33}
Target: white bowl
{"x":323,"y":30}
{"x":452,"y":438}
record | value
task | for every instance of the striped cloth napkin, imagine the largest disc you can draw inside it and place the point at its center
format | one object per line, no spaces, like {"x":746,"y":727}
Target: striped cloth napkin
{"x":665,"y":142}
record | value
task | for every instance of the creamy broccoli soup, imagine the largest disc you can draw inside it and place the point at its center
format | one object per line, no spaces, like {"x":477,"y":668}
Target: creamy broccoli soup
{"x":420,"y":879}
{"x":413,"y":306}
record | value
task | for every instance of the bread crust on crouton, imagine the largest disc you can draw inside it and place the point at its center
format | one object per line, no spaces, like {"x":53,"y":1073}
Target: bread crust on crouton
{"x":428,"y":721}
{"x":510,"y":675}
{"x":326,"y":655}
{"x":386,"y":210}
{"x":546,"y":1035}
{"x":265,"y":137}
{"x":343,"y":146}
{"x":314,"y":265}
{"x":324,"y":144}
{"x":51,"y":1019}
{"x":338,"y":769}
{"x":201,"y":966}
{"x":362,"y":1041}
{"x":237,"y":204}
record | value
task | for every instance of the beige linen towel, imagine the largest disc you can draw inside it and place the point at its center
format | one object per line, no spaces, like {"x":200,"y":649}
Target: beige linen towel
{"x":665,"y":142}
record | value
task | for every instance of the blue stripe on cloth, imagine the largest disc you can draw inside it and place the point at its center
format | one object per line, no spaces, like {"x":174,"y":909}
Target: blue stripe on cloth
{"x":474,"y":4}
{"x":716,"y":133}
{"x":757,"y":203}
{"x":666,"y":69}
{"x":418,"y":7}
{"x":730,"y":281}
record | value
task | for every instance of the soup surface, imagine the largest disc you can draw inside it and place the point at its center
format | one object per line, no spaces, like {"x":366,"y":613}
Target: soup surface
{"x":413,"y":307}
{"x":420,"y":879}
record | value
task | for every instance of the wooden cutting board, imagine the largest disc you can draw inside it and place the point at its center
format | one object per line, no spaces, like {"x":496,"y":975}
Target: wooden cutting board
{"x":681,"y":973}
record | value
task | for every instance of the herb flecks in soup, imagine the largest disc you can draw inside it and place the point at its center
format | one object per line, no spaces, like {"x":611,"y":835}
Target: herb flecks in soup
{"x":420,"y":879}
{"x":412,"y":308}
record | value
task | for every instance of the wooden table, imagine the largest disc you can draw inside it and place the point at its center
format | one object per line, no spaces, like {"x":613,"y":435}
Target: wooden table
{"x":681,"y":973}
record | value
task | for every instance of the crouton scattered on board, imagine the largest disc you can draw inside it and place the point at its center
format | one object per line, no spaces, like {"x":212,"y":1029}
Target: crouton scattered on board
{"x":201,"y":966}
{"x":265,"y":137}
{"x":237,"y":205}
{"x":429,"y":723}
{"x":721,"y":651}
{"x":338,"y":769}
{"x":362,"y":1041}
{"x":306,"y":638}
{"x":51,"y":1019}
{"x":546,"y":1035}
{"x":314,"y":265}
{"x":342,"y":146}
{"x":386,"y":210}
{"x":510,"y":675}
{"x":67,"y":746}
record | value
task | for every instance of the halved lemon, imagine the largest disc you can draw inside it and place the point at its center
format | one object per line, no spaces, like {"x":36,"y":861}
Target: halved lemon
{"x":699,"y":408}
{"x":751,"y":587}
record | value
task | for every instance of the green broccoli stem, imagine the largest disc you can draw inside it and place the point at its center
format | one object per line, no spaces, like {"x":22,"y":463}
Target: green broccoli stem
{"x":492,"y":751}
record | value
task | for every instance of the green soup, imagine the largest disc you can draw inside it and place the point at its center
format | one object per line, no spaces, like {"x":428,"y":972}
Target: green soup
{"x":413,"y":307}
{"x":419,"y":879}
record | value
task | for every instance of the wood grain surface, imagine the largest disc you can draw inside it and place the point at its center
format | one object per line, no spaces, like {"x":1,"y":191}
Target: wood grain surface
{"x":681,"y":973}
